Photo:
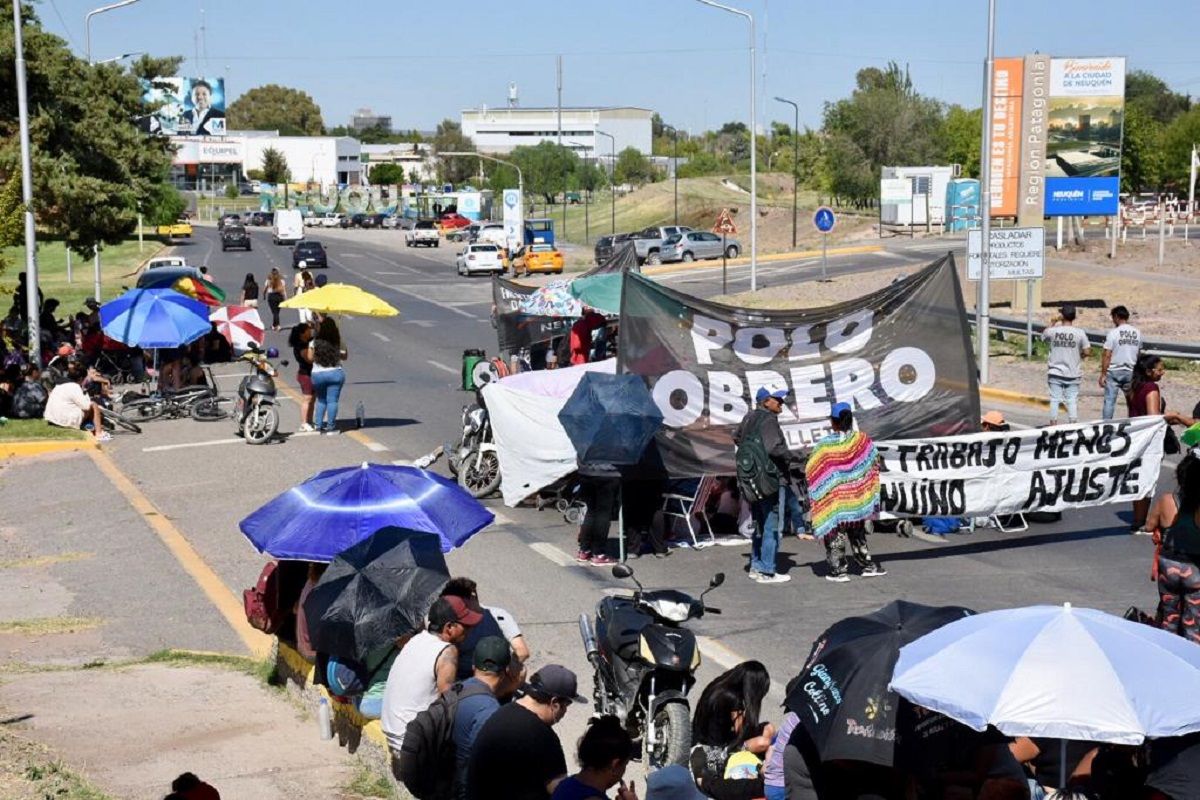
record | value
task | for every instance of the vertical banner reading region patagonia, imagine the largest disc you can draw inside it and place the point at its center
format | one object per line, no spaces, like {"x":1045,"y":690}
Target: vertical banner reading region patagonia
{"x":1086,"y":118}
{"x":901,"y":357}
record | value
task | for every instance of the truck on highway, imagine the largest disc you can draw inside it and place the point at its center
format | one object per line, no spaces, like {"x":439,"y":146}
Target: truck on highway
{"x":176,"y":230}
{"x":648,"y":242}
{"x":424,"y":233}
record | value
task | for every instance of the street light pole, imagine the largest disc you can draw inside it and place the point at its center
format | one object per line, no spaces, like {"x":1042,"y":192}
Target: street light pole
{"x":675,"y":165}
{"x":753,"y":142}
{"x":983,"y":299}
{"x":87,"y":24}
{"x":795,"y":164}
{"x":612,"y":178}
{"x":587,"y":225}
{"x":120,"y":57}
{"x":33,"y":309}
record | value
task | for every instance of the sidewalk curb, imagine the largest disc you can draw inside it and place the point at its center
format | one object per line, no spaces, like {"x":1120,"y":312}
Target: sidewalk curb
{"x":741,"y":261}
{"x":37,"y":447}
{"x":1006,"y":396}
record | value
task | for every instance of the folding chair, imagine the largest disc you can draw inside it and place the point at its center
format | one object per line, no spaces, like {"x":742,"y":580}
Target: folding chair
{"x":682,"y":506}
{"x":1021,"y":524}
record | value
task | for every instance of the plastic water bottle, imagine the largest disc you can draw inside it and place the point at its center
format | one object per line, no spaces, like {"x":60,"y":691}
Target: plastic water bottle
{"x":325,"y":720}
{"x":360,"y":414}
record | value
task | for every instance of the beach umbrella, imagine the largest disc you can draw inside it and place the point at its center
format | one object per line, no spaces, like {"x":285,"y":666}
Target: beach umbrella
{"x":552,"y":300}
{"x":338,"y":508}
{"x":601,"y":292}
{"x":375,"y":592}
{"x":154,"y":318}
{"x":610,"y":418}
{"x":241,"y":326}
{"x":341,"y":298}
{"x":200,"y":289}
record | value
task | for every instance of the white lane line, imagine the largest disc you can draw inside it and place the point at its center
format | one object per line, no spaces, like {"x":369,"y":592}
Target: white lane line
{"x":402,"y":462}
{"x":727,"y":658}
{"x":360,"y":255}
{"x":423,"y":299}
{"x":442,"y":367}
{"x":423,"y":323}
{"x":186,"y":445}
{"x":549,"y":551}
{"x":380,"y":336}
{"x":376,"y":447}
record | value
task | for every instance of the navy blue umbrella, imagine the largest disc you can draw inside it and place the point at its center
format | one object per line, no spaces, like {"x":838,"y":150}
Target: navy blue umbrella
{"x":610,"y":418}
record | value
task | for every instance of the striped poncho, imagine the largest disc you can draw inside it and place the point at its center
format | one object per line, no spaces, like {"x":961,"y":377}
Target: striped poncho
{"x":843,"y":481}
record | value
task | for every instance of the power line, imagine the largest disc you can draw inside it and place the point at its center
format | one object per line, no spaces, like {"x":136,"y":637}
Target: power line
{"x":63,"y":22}
{"x":455,"y":57}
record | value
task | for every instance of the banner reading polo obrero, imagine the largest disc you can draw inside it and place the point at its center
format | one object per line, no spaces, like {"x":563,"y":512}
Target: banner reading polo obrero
{"x":1085,"y":123}
{"x":1049,"y":469}
{"x":185,"y":106}
{"x":900,"y":356}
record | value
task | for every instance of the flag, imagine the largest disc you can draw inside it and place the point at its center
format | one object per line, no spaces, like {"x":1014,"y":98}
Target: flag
{"x":199,"y":289}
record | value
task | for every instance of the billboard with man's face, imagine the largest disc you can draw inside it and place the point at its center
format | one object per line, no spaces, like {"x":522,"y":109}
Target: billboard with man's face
{"x":186,"y":106}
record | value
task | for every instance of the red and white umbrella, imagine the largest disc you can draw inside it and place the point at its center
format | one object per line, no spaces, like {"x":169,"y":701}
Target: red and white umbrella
{"x":240,"y":325}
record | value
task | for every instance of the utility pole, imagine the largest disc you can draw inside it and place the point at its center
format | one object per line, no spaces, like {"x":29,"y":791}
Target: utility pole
{"x":795,"y":164}
{"x":33,"y":309}
{"x":983,"y":299}
{"x":560,"y":144}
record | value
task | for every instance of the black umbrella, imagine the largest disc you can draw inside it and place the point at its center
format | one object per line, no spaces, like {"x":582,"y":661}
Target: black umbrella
{"x":610,"y":418}
{"x":842,"y":695}
{"x":1175,"y":767}
{"x":375,"y":592}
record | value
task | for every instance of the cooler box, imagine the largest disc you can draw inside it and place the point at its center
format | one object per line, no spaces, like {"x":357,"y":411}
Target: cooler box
{"x":470,"y":359}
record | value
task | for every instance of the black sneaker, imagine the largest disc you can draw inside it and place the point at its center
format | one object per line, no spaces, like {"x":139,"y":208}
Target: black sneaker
{"x":838,"y":577}
{"x":873,"y":571}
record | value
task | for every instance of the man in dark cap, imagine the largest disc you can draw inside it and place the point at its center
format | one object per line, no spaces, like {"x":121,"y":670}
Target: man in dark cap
{"x":496,"y":670}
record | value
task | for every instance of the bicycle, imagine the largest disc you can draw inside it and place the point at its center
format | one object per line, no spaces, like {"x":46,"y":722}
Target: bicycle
{"x":203,"y":403}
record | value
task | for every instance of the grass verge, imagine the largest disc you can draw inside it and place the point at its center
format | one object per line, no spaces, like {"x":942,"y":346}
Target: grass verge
{"x":30,"y":771}
{"x":117,"y":263}
{"x":19,"y":430}
{"x":259,"y":669}
{"x":367,"y":782}
{"x":46,"y":626}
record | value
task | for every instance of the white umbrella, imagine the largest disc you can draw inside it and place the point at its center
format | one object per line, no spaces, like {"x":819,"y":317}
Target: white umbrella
{"x":240,"y":325}
{"x":1057,"y":672}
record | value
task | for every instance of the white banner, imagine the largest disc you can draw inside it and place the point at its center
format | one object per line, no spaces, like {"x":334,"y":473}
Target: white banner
{"x":895,"y":191}
{"x":514,"y":212}
{"x":1046,"y":469}
{"x":1016,"y":254}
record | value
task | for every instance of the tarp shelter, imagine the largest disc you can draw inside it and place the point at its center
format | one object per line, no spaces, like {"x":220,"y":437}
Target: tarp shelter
{"x":533,"y":447}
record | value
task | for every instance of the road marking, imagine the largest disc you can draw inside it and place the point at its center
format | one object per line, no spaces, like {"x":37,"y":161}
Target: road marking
{"x":402,"y":290}
{"x":422,"y":323}
{"x":188,"y":445}
{"x":353,"y":255}
{"x":715,"y":651}
{"x":380,"y":336}
{"x":442,"y":367}
{"x":375,"y":446}
{"x":547,"y":550}
{"x":220,"y":595}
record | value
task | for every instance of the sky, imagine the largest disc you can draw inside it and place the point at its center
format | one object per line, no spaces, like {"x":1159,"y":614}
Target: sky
{"x":425,"y":62}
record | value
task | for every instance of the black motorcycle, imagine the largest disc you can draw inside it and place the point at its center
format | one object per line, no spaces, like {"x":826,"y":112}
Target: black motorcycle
{"x":645,"y":664}
{"x":257,"y":413}
{"x":474,"y":458}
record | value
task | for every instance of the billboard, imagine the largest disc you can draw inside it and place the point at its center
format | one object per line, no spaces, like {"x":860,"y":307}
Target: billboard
{"x":1003,"y":162}
{"x":1085,"y":118}
{"x":194,"y":150}
{"x":186,"y":106}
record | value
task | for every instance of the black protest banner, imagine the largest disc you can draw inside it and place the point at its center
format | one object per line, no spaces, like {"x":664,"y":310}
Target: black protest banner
{"x":1049,"y":469}
{"x":901,"y":357}
{"x":514,"y":329}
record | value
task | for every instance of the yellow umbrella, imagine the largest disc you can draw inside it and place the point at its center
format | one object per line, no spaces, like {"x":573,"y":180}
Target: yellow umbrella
{"x":341,"y":298}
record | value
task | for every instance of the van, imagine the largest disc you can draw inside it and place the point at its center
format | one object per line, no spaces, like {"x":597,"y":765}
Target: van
{"x":288,"y":227}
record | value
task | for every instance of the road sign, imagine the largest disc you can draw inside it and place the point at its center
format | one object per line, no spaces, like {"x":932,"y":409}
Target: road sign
{"x":824,"y":219}
{"x":1016,"y":254}
{"x":896,"y":191}
{"x":724,"y":225}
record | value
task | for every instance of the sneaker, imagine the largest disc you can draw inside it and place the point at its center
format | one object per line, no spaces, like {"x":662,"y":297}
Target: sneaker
{"x":332,"y":432}
{"x":601,"y":560}
{"x":583,"y":557}
{"x":838,"y":577}
{"x":1141,"y":531}
{"x":104,"y":436}
{"x":663,"y":554}
{"x":755,"y":574}
{"x":873,"y":571}
{"x":776,"y":578}
{"x":305,"y":428}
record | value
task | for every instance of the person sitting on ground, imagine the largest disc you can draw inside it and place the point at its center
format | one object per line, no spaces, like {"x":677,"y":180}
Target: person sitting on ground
{"x":495,"y":667}
{"x":1175,"y":517}
{"x":10,"y":379}
{"x":673,"y":782}
{"x":604,"y":752}
{"x":496,"y":622}
{"x":189,"y":787}
{"x":30,"y":396}
{"x":729,"y":736}
{"x":303,"y":642}
{"x":426,"y":667}
{"x":994,"y":422}
{"x":69,"y":405}
{"x":49,"y":323}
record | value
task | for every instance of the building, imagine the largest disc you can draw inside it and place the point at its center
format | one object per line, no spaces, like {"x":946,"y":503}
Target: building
{"x":366,"y":118}
{"x":206,"y":163}
{"x":415,"y":158}
{"x":499,"y":130}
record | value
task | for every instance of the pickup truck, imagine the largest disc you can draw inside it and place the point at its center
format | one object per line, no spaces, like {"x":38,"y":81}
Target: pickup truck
{"x":180,"y":228}
{"x":648,"y":242}
{"x":424,"y":233}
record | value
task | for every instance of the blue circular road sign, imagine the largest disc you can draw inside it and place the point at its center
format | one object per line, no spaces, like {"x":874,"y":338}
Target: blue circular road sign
{"x":824,"y":219}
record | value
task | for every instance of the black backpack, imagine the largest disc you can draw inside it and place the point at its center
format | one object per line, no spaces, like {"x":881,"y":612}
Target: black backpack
{"x":426,"y":763}
{"x":757,"y":475}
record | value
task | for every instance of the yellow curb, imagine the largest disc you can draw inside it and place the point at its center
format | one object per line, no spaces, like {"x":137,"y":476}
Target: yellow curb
{"x":304,"y":673}
{"x":37,"y":447}
{"x":734,"y":262}
{"x":356,"y":435}
{"x":1006,"y":396}
{"x":220,"y":595}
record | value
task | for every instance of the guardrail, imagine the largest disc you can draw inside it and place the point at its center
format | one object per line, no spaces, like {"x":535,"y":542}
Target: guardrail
{"x":1185,"y":350}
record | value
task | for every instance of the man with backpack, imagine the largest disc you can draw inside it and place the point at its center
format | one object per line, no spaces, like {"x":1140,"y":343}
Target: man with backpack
{"x":764,"y":478}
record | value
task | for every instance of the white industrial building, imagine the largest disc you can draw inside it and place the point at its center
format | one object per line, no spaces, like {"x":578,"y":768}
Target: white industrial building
{"x":323,"y":160}
{"x":414,"y":158}
{"x":499,"y":130}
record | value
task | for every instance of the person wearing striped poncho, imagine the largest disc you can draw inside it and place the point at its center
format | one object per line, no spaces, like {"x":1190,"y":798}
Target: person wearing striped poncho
{"x":843,"y":489}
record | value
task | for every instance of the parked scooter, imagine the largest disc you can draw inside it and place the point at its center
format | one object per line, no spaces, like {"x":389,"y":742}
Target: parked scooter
{"x":257,"y":412}
{"x":645,"y":664}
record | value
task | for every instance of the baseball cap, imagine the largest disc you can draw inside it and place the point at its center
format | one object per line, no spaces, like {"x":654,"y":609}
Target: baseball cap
{"x":453,"y":609}
{"x":672,"y":783}
{"x":838,"y":409}
{"x":492,"y":654}
{"x":555,"y":680}
{"x":992,"y":418}
{"x":763,"y":393}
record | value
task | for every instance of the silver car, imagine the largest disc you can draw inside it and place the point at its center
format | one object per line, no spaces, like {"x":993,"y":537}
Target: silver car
{"x":698,"y":244}
{"x":480,"y":257}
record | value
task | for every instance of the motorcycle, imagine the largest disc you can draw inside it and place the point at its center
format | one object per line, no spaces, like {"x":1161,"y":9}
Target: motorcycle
{"x":257,"y":413}
{"x":645,"y":663}
{"x":474,"y":458}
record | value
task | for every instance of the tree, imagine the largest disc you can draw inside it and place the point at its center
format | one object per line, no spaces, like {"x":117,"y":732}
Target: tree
{"x":274,"y":107}
{"x":275,"y":167}
{"x":546,"y":167}
{"x":387,"y":174}
{"x":164,"y":205}
{"x":449,"y":138}
{"x":634,"y":168}
{"x":12,"y":218}
{"x":1153,"y":97}
{"x":1177,"y":141}
{"x":960,"y":138}
{"x":1141,"y":151}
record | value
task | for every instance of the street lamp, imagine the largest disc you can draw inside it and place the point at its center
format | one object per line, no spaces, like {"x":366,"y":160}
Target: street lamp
{"x":587,"y":170}
{"x":120,"y":57}
{"x":795,"y":163}
{"x":983,"y":299}
{"x":753,"y":143}
{"x":33,"y":309}
{"x":612,"y":177}
{"x":87,"y":24}
{"x":675,"y":165}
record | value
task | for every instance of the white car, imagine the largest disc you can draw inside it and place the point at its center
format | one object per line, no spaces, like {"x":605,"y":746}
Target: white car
{"x":481,"y":257}
{"x":332,"y":220}
{"x":166,"y":261}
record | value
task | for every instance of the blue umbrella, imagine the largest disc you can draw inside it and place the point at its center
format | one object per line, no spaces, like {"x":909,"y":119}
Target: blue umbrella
{"x":338,"y":508}
{"x":154,"y":318}
{"x":610,"y":418}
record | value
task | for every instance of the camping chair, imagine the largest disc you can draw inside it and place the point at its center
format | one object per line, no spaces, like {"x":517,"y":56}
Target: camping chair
{"x":682,"y":506}
{"x":1017,"y":523}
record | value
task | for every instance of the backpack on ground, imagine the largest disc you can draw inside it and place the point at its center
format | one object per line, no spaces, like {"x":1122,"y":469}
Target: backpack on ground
{"x":29,"y":400}
{"x":426,"y":763}
{"x":943,"y":525}
{"x":757,"y":475}
{"x":261,"y":601}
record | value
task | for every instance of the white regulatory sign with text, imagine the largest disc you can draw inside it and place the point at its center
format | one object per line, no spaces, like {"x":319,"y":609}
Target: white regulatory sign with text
{"x":1016,"y":254}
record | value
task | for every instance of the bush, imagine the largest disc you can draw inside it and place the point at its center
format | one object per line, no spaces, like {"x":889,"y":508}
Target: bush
{"x":231,"y":191}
